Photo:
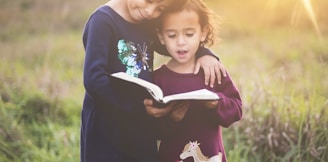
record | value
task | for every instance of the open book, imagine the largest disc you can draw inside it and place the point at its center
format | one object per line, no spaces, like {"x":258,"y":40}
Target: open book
{"x":157,"y":93}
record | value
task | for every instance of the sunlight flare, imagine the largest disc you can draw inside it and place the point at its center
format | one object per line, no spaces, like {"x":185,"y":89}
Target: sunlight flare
{"x":309,"y":9}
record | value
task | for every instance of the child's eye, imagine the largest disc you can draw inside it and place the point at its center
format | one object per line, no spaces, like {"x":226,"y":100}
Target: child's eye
{"x":189,"y":34}
{"x":171,"y":36}
{"x":150,"y":1}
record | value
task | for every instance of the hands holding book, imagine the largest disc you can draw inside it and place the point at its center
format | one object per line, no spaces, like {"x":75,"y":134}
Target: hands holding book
{"x":175,"y":109}
{"x":179,"y":111}
{"x":176,"y":105}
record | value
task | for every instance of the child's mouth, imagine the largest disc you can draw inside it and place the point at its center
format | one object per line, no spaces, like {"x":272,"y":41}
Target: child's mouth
{"x":182,"y":52}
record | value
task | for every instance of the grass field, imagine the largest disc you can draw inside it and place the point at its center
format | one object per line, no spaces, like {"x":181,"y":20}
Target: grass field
{"x":275,"y":51}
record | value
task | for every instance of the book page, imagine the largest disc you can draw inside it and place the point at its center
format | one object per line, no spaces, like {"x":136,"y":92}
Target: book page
{"x":202,"y":94}
{"x":153,"y":89}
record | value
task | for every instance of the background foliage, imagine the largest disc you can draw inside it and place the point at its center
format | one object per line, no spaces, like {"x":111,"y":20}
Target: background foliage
{"x":274,"y":51}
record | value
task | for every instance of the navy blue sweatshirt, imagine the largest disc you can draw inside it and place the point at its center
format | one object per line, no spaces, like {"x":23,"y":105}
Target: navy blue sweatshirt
{"x":115,"y":126}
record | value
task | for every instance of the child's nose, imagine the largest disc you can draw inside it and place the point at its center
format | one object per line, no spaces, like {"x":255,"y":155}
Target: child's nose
{"x":181,"y":40}
{"x":150,"y":10}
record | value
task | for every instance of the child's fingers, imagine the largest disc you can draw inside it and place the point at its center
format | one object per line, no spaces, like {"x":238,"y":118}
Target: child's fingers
{"x":148,"y":102}
{"x":218,"y":73}
{"x":178,"y":114}
{"x":211,"y":104}
{"x":212,"y":75}
{"x":197,"y":67}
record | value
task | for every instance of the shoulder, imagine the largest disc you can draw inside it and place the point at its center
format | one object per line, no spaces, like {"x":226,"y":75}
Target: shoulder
{"x":160,"y":73}
{"x":101,"y":23}
{"x":160,"y":70}
{"x":102,"y":14}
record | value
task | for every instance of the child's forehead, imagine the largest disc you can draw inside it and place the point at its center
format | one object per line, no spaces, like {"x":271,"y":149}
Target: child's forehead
{"x":166,"y":2}
{"x":162,"y":1}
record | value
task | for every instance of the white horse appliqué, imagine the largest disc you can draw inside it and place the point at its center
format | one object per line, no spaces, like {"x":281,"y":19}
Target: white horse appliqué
{"x":192,"y":150}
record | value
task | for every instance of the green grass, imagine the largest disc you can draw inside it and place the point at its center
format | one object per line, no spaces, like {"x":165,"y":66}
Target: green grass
{"x":280,"y":69}
{"x":284,"y":86}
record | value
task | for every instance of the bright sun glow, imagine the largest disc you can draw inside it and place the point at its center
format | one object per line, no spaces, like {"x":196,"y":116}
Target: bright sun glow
{"x":299,"y":7}
{"x":308,"y":7}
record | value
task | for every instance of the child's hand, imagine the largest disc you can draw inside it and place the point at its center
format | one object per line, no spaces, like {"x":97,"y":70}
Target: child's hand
{"x":212,"y":69}
{"x":211,"y":104}
{"x":179,"y":110}
{"x":155,"y":111}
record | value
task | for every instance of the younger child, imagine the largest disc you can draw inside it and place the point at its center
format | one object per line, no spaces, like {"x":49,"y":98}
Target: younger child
{"x":196,"y":124}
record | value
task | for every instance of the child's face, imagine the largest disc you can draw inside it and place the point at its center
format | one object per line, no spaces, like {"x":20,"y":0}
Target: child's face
{"x":139,"y":10}
{"x":181,"y":34}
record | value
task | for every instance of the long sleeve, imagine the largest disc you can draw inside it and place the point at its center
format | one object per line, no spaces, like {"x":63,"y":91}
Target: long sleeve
{"x":229,"y":108}
{"x":97,"y":38}
{"x":199,"y":123}
{"x":113,"y":117}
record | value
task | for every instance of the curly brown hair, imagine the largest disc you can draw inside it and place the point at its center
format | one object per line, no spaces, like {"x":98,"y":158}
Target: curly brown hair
{"x":207,"y":18}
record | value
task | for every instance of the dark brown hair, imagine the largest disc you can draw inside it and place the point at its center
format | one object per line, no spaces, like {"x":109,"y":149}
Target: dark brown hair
{"x":206,"y":17}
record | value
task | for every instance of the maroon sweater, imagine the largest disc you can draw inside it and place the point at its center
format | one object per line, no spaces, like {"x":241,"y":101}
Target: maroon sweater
{"x":199,"y":124}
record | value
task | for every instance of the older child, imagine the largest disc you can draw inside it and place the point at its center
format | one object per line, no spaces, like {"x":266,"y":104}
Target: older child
{"x":194,"y":129}
{"x":118,"y":37}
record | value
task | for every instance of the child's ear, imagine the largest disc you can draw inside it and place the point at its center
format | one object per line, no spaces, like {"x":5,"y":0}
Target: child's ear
{"x":160,"y":36}
{"x":205,"y":30}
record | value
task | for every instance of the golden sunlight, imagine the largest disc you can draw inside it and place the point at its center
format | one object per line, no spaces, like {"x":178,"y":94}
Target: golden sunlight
{"x":300,"y":7}
{"x":309,"y":9}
